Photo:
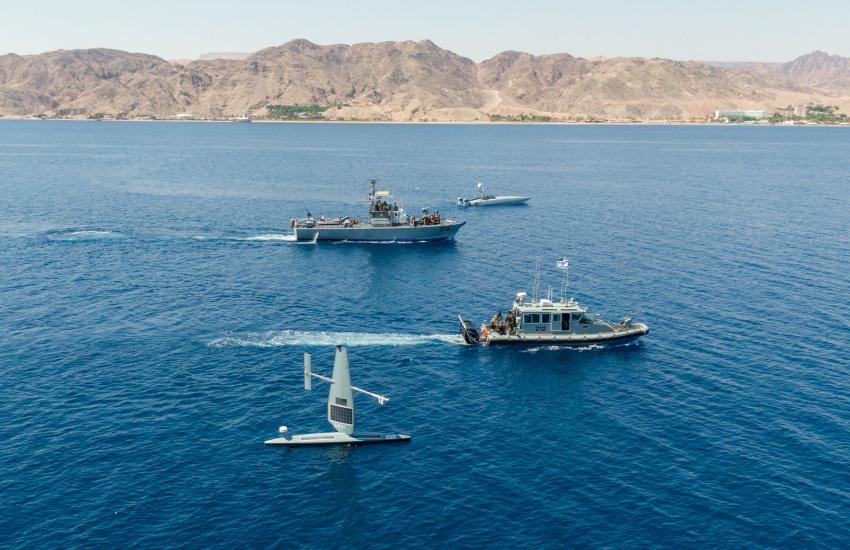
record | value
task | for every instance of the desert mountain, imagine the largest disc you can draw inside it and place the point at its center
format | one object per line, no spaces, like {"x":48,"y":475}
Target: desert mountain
{"x":408,"y":81}
{"x":387,"y":80}
{"x":620,"y":87}
{"x":817,"y":69}
{"x":223,"y":55}
{"x":79,"y":82}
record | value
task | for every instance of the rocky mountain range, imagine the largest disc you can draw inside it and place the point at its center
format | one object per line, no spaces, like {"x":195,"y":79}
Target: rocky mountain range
{"x":409,"y":81}
{"x":223,"y":55}
{"x":817,"y":69}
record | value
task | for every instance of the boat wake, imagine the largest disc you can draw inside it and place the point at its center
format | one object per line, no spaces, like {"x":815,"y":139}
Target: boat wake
{"x":83,"y":235}
{"x":70,"y":235}
{"x":392,"y":242}
{"x":263,"y":237}
{"x":270,"y":237}
{"x":353,"y":339}
{"x":587,"y":347}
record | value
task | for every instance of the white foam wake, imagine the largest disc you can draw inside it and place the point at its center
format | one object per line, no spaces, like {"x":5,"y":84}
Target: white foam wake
{"x":353,"y":339}
{"x":270,"y":237}
{"x":585,"y":347}
{"x":264,"y":237}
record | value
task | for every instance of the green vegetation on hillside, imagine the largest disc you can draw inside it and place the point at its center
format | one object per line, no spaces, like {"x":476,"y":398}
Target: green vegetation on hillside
{"x":824,"y":113}
{"x":495,"y":117}
{"x":311,"y":111}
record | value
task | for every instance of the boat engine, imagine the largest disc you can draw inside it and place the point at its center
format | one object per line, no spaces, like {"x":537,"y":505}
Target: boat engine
{"x":469,"y":332}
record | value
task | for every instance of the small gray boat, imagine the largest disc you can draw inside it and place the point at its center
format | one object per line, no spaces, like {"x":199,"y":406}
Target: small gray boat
{"x":387,"y":222}
{"x":483,"y":199}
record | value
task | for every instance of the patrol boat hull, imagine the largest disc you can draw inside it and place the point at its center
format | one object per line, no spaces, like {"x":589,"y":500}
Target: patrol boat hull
{"x":365,"y":233}
{"x":570,"y":340}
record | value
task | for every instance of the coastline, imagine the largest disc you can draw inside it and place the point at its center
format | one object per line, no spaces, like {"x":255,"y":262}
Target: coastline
{"x":435,"y":123}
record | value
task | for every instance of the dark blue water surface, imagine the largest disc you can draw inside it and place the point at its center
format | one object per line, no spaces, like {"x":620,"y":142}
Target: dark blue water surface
{"x":153,"y":316}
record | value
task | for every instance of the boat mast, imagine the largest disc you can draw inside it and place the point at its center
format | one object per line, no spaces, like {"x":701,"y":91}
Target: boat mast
{"x":536,"y":285}
{"x":564,"y":265}
{"x":373,"y":191}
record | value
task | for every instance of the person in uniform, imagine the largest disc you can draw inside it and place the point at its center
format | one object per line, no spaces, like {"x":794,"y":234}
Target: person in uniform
{"x":510,"y":321}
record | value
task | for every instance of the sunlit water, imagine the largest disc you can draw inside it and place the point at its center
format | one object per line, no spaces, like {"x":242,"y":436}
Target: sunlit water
{"x":154,"y":311}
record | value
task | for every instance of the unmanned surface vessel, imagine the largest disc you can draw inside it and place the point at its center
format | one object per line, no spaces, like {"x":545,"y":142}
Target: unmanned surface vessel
{"x":484,"y":199}
{"x":386,"y":222}
{"x":546,"y":322}
{"x":340,"y":410}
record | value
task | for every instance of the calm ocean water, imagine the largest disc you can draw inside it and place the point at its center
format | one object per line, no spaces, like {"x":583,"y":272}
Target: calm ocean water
{"x":153,"y":317}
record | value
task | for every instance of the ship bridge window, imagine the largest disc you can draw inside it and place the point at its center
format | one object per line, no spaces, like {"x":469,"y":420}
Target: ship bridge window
{"x":531,"y":318}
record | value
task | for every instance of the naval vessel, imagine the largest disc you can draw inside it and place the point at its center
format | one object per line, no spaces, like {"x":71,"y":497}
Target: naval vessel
{"x":386,"y":221}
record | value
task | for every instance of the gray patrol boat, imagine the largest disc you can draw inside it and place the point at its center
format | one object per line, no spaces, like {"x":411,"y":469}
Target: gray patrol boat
{"x":387,"y":222}
{"x":546,"y":322}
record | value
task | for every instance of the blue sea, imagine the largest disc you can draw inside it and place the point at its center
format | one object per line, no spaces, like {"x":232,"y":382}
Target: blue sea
{"x":154,"y":313}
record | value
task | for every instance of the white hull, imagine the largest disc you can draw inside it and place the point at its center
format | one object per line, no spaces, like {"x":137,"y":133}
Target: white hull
{"x":337,"y":438}
{"x":496,"y":201}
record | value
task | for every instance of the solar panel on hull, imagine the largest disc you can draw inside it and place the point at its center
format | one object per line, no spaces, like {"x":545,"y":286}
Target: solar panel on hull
{"x":344,"y":415}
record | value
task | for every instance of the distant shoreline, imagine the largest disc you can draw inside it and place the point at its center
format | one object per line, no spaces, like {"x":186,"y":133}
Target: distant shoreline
{"x":434,"y":123}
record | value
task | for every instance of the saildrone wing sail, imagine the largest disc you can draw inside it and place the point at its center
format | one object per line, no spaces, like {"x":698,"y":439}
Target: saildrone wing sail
{"x":341,"y":398}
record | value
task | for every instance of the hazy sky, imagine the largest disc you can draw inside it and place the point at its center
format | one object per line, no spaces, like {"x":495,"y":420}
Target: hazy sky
{"x":721,"y":30}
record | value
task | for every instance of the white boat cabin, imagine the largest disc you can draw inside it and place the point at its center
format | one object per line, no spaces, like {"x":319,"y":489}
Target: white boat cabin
{"x":544,"y":315}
